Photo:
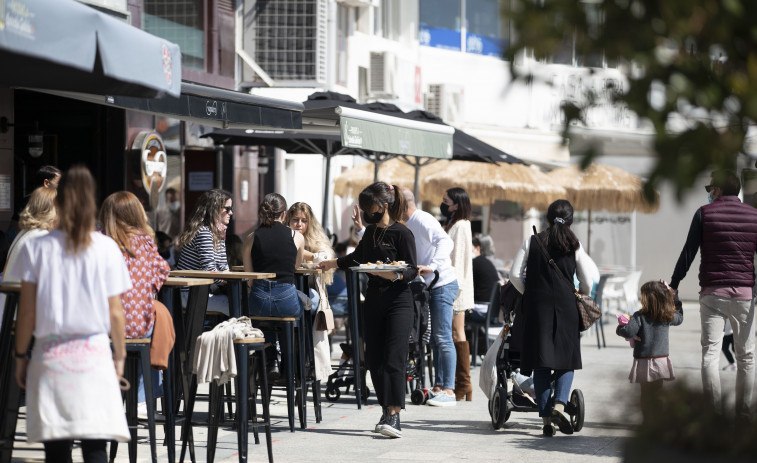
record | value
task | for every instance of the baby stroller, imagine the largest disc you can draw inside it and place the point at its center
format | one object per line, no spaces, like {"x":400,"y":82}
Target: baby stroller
{"x":505,"y":399}
{"x":420,"y":336}
{"x":344,"y":377}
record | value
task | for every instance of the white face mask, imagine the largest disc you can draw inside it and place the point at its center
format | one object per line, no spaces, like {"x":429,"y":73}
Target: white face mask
{"x":174,"y":206}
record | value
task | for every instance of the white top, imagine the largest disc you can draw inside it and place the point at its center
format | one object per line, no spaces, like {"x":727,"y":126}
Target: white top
{"x":11,"y":274}
{"x":433,"y":247}
{"x":586,"y":270}
{"x":73,"y":290}
{"x":462,"y":261}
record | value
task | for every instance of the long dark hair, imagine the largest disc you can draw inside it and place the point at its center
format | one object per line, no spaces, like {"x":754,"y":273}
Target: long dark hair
{"x":271,"y":208}
{"x":462,"y":200}
{"x":559,"y":234}
{"x":207,"y":213}
{"x":379,"y":193}
{"x":76,"y":208}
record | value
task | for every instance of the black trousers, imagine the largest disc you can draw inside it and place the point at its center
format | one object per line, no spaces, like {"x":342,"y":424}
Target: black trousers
{"x":388,"y":321}
{"x":59,"y":451}
{"x":728,"y":347}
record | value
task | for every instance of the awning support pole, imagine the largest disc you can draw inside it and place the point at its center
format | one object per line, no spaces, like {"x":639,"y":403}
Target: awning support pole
{"x":327,"y":155}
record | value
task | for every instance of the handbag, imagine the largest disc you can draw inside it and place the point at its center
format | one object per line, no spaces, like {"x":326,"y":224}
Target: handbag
{"x":588,"y":312}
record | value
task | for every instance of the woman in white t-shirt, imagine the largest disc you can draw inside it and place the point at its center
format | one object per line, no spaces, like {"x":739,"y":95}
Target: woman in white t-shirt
{"x":71,"y":285}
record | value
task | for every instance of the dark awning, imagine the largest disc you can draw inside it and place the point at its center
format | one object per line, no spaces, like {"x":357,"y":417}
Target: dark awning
{"x":65,"y":45}
{"x":210,"y":106}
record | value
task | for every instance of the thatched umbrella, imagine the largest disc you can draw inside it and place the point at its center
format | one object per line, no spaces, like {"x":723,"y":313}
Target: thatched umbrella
{"x":603,"y":187}
{"x":486,"y":183}
{"x":394,"y":171}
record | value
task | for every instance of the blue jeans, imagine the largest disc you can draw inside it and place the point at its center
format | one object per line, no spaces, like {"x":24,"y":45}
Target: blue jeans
{"x":157,"y":379}
{"x":445,"y":358}
{"x":543,"y":388}
{"x":274,"y":299}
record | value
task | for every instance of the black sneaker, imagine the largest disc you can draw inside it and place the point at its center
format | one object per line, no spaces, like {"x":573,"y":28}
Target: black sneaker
{"x":392,"y":427}
{"x":548,"y":430}
{"x":382,"y":422}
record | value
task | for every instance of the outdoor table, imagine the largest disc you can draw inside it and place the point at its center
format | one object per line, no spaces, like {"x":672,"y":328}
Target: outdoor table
{"x":235,"y":283}
{"x":170,"y":295}
{"x":10,"y":392}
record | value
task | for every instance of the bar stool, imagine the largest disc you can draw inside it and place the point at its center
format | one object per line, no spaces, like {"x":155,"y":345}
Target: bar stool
{"x":295,"y":386}
{"x":245,"y":401}
{"x":138,"y":356}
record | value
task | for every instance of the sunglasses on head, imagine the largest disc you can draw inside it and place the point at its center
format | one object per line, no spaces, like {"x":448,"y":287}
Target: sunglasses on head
{"x":229,"y":209}
{"x":709,"y":188}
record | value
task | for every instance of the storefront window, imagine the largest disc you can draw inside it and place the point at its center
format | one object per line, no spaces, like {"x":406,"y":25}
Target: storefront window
{"x":486,"y":32}
{"x":441,"y":21}
{"x":478,"y":29}
{"x":181,"y":22}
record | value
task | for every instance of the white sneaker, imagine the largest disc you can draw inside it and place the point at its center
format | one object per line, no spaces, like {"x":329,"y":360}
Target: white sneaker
{"x":442,"y":400}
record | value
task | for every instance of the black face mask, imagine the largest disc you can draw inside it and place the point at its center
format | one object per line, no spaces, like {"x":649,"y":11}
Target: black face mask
{"x":371,"y":219}
{"x":444,"y":208}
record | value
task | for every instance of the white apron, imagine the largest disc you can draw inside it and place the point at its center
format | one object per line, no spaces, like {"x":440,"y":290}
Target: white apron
{"x":72,"y":390}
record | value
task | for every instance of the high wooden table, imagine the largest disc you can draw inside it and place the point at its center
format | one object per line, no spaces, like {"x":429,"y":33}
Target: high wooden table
{"x":10,"y":392}
{"x":235,"y":283}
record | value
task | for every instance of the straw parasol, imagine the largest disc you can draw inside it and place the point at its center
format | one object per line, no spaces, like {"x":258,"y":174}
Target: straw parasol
{"x":486,"y":183}
{"x":394,"y":171}
{"x":604,"y":187}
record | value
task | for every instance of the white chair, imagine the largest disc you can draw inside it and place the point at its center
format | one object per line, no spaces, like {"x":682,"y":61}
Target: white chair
{"x":623,"y":290}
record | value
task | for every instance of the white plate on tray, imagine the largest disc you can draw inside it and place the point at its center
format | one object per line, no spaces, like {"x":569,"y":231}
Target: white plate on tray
{"x":374,"y":267}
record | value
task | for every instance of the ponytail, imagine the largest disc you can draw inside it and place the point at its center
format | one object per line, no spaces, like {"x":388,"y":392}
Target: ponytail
{"x":559,"y":234}
{"x":398,"y":208}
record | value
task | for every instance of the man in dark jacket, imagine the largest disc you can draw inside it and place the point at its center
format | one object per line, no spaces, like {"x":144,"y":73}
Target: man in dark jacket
{"x":726,"y":232}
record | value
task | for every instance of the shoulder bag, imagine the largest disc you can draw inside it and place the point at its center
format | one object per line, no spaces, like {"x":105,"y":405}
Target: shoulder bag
{"x":588,"y":312}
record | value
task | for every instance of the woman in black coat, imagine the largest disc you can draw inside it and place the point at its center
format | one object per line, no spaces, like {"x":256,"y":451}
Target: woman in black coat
{"x":551,"y":343}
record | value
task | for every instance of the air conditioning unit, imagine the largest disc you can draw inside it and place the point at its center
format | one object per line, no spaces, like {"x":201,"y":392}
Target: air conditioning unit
{"x":446,"y":101}
{"x":359,"y":3}
{"x":382,"y":75}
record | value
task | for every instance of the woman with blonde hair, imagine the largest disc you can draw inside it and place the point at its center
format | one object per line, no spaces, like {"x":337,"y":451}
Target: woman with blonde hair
{"x":36,"y":219}
{"x":300,"y":217}
{"x":72,"y":280}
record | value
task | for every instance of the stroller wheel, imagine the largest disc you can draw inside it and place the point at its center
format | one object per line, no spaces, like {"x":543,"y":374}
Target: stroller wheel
{"x":417,"y":397}
{"x":366,"y":392}
{"x":577,"y":402}
{"x":498,"y":408}
{"x":332,"y":393}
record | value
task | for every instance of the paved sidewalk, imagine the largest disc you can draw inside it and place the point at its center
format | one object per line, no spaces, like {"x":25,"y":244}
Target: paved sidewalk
{"x":463,"y":432}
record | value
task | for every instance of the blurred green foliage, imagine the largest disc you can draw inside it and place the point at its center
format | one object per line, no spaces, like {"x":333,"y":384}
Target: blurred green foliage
{"x":703,"y":53}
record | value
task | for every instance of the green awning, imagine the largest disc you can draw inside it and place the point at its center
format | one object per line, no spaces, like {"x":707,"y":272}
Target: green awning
{"x":371,"y":131}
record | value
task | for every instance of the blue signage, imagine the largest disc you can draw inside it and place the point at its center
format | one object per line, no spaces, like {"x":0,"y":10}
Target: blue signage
{"x":450,"y":40}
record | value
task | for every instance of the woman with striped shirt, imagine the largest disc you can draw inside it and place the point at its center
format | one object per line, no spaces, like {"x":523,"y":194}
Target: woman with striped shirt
{"x":203,"y":244}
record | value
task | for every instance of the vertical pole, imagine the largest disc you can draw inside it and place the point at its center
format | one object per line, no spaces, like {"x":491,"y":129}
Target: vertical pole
{"x":325,"y":219}
{"x":417,"y":167}
{"x":588,"y":235}
{"x":633,"y":239}
{"x":376,"y":163}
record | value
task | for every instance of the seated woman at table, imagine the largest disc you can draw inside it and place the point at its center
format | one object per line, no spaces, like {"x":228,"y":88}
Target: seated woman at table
{"x":389,"y":301}
{"x":203,"y":245}
{"x":36,"y":219}
{"x":72,"y":280}
{"x":273,"y":248}
{"x":300,"y":217}
{"x":123,"y":218}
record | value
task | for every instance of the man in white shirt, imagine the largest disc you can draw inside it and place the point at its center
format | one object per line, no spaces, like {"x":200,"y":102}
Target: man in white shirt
{"x":434,"y":246}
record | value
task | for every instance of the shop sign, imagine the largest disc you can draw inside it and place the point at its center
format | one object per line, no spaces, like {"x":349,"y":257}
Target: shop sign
{"x":153,"y":160}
